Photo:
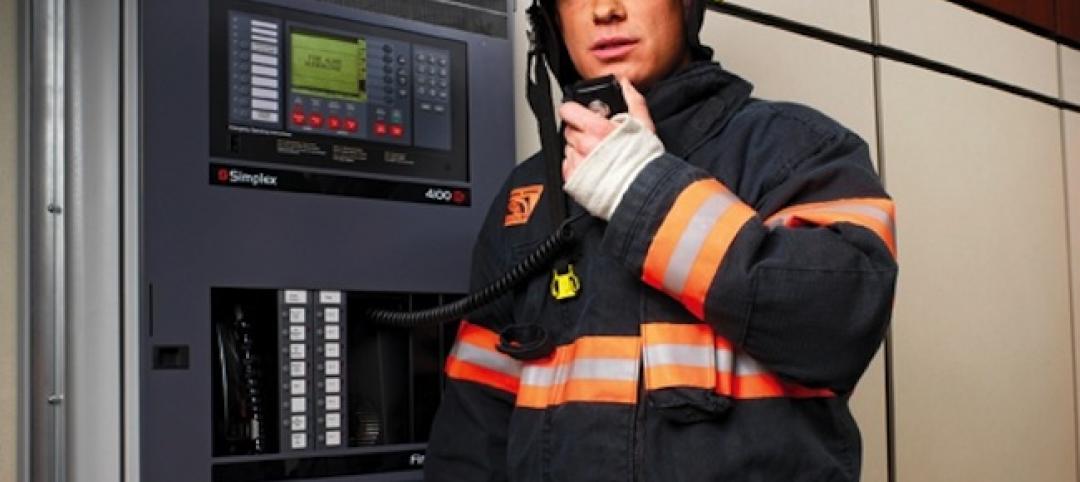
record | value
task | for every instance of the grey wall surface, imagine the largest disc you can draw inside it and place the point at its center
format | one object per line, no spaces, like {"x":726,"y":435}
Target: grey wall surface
{"x":9,"y":110}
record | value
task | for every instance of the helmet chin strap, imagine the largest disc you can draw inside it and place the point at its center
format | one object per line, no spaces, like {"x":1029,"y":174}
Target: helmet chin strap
{"x":538,"y":91}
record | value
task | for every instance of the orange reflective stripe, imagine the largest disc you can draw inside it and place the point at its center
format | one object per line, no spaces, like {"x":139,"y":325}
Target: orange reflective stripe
{"x":594,"y":391}
{"x":671,"y":230}
{"x":474,"y":358}
{"x":693,"y":356}
{"x":677,"y":333}
{"x":678,"y":355}
{"x":462,"y":370}
{"x":692,"y":240}
{"x":670,"y":376}
{"x":477,"y":335}
{"x":768,"y":386}
{"x":876,"y":214}
{"x":712,"y":254}
{"x":628,"y":347}
{"x":599,"y":369}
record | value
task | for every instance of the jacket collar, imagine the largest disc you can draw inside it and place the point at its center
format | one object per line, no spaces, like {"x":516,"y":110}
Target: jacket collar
{"x":695,"y":102}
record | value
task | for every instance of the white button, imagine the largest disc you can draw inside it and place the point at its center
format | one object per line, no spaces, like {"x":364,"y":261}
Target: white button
{"x":263,"y":116}
{"x":262,"y":93}
{"x":332,"y":315}
{"x":298,"y":405}
{"x":333,"y":367}
{"x":333,"y":332}
{"x":268,"y":49}
{"x":330,"y":297}
{"x":296,"y":368}
{"x":265,"y":72}
{"x":296,"y":315}
{"x":333,"y":438}
{"x":295,"y":297}
{"x":297,"y":387}
{"x":263,"y":32}
{"x":263,"y":24}
{"x":264,"y":59}
{"x":264,"y":82}
{"x":299,"y":440}
{"x":297,"y":351}
{"x":264,"y":105}
{"x":298,"y":423}
{"x":296,"y":333}
{"x":263,"y":38}
{"x":333,"y":420}
{"x":333,"y":402}
{"x":333,"y":350}
{"x":333,"y":385}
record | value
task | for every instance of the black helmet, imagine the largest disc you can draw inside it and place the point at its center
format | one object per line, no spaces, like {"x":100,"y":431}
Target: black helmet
{"x":547,"y":40}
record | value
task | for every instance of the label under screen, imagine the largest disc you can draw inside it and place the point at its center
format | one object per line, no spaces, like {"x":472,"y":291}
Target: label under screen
{"x":329,"y":65}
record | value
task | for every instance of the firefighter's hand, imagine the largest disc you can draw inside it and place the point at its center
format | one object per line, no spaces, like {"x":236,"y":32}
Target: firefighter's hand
{"x":585,"y":129}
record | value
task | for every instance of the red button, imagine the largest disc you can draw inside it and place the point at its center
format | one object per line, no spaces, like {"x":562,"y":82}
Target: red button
{"x":298,"y":117}
{"x":396,"y":130}
{"x":315,"y":120}
{"x":350,"y":125}
{"x":380,"y":128}
{"x":333,"y":123}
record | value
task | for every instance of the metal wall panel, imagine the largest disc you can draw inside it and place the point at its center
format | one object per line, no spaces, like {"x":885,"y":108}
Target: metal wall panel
{"x":846,"y":17}
{"x":1071,"y":130}
{"x":983,"y":367}
{"x":9,"y":230}
{"x":1070,"y":74}
{"x":952,"y":34}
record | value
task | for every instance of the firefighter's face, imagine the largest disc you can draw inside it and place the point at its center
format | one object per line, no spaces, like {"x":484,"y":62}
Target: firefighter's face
{"x":642,"y":40}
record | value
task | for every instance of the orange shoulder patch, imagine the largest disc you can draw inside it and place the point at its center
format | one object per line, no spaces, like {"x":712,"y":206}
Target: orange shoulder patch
{"x":521,"y":204}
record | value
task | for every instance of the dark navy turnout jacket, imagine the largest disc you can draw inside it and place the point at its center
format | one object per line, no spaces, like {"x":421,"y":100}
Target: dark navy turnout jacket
{"x":725,"y":314}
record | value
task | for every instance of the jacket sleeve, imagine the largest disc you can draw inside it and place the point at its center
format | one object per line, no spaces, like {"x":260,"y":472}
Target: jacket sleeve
{"x":468,"y":436}
{"x":801,"y":277}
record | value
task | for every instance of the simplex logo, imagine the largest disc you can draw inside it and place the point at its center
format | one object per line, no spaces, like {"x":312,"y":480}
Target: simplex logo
{"x":237,"y":176}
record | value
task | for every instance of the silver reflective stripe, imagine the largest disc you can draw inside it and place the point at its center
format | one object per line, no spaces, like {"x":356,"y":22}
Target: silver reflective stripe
{"x":869,"y":211}
{"x":691,"y":241}
{"x":724,"y":360}
{"x":777,"y":222}
{"x":878,"y":214}
{"x":619,"y":369}
{"x":470,"y":353}
{"x":674,"y":354}
{"x":744,"y":366}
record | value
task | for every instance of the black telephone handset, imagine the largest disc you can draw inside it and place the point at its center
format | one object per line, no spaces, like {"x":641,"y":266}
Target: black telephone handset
{"x":602,"y":95}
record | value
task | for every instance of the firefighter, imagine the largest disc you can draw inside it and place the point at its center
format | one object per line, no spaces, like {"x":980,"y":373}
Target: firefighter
{"x":734,"y":278}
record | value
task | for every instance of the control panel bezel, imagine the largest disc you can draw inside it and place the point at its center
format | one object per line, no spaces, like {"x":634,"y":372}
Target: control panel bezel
{"x":352,"y":153}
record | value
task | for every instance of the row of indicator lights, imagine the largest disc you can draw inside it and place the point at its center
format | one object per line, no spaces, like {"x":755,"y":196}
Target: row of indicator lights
{"x":316,"y":120}
{"x":381,"y":128}
{"x":297,"y":386}
{"x":332,"y":351}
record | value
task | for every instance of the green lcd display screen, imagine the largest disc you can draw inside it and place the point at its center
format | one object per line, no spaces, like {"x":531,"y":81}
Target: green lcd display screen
{"x":328,"y":65}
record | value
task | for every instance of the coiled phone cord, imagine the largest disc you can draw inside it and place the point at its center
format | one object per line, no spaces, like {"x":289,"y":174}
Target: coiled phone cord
{"x":539,"y":259}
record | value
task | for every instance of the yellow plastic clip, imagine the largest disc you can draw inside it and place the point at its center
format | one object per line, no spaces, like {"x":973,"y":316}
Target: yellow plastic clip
{"x":566,"y":285}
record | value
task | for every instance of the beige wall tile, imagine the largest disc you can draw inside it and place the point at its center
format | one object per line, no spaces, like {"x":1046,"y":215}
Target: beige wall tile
{"x":8,"y":241}
{"x":789,"y":67}
{"x":847,"y":17}
{"x":1070,"y":74}
{"x":951,"y":34}
{"x":1071,"y":127}
{"x":983,"y":367}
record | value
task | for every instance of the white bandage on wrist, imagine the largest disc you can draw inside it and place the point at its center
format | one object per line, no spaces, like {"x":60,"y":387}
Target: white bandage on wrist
{"x":603,"y":177}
